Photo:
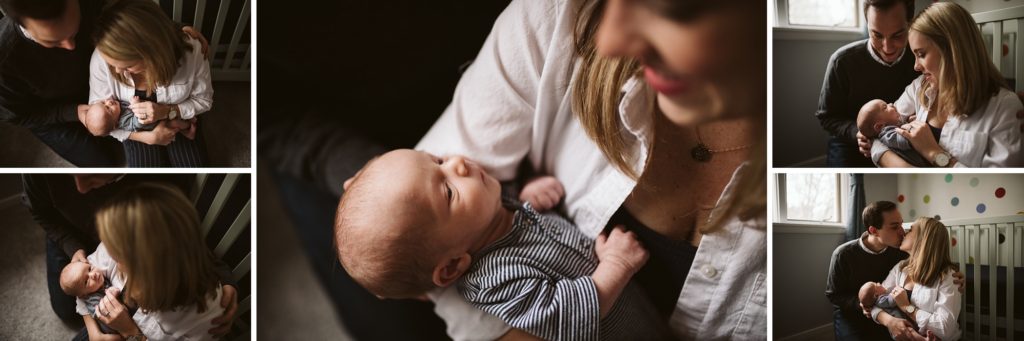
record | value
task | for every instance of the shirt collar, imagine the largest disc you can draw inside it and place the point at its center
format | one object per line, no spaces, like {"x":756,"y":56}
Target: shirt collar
{"x":874,"y":55}
{"x":26,"y":34}
{"x":865,"y":247}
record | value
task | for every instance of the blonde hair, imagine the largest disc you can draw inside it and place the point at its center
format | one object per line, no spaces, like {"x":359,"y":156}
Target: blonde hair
{"x":390,"y":258}
{"x":138,"y":30}
{"x":596,"y":96}
{"x":967,"y":77}
{"x":152,"y":231}
{"x":929,"y":259}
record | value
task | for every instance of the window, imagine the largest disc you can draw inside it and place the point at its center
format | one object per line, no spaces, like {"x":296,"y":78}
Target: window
{"x":811,"y":198}
{"x":819,"y":19}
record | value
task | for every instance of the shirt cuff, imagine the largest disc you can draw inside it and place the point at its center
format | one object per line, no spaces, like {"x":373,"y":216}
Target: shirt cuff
{"x":120,"y":135}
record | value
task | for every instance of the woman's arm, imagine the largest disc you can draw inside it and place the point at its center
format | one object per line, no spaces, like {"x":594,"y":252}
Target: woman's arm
{"x":102,"y":85}
{"x":94,"y":331}
{"x":888,"y":159}
{"x":1005,"y":140}
{"x":162,"y":135}
{"x":942,"y":319}
{"x":200,"y":99}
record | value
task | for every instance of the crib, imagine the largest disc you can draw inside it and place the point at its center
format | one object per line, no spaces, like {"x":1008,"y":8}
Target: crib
{"x":1008,"y":24}
{"x":223,"y":203}
{"x":229,"y":58}
{"x":988,"y":252}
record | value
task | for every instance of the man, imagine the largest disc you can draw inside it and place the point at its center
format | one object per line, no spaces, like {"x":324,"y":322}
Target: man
{"x":65,"y":206}
{"x":45,"y":49}
{"x":866,"y":259}
{"x":879,"y":67}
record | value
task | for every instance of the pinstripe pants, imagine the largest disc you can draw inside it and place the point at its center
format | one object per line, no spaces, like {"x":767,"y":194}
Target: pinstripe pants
{"x":183,"y":152}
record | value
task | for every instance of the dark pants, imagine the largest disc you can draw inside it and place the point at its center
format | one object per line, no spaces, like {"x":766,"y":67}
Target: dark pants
{"x":62,"y":304}
{"x":183,"y":152}
{"x":858,"y":328}
{"x":75,"y":144}
{"x":366,"y":317}
{"x":843,"y":154}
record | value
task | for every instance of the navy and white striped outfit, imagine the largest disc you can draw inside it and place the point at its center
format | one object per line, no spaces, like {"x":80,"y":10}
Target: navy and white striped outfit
{"x":538,"y":278}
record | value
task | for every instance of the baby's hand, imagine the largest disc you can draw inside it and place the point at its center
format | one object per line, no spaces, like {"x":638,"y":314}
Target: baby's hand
{"x":543,"y":193}
{"x":621,"y":248}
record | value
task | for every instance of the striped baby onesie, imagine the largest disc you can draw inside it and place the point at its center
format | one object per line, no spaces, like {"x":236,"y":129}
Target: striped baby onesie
{"x":537,"y":278}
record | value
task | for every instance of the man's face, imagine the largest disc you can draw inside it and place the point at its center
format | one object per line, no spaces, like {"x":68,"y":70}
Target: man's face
{"x":56,"y":33}
{"x":891,"y":232}
{"x":887,"y":31}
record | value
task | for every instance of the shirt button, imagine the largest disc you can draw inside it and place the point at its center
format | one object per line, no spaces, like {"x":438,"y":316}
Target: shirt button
{"x":709,"y":271}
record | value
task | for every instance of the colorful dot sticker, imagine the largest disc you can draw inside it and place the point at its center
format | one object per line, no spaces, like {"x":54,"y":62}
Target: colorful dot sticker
{"x":913,"y":213}
{"x":955,"y":201}
{"x":927,"y":198}
{"x":949,"y":178}
{"x":900,"y":198}
{"x":974,"y":182}
{"x":981,"y":208}
{"x":1000,"y":192}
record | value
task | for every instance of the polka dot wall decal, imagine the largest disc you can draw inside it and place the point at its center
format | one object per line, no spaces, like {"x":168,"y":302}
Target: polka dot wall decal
{"x":1000,"y":192}
{"x":913,"y":213}
{"x":900,"y":198}
{"x":981,"y":208}
{"x":949,"y":178}
{"x":955,"y":201}
{"x":927,"y":198}
{"x":974,"y":182}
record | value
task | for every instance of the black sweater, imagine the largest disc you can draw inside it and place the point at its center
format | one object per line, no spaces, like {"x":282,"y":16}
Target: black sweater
{"x":853,"y":78}
{"x":41,"y":86}
{"x":851,"y":267}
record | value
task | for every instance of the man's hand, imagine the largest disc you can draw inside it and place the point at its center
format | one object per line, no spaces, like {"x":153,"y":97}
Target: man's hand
{"x":228,"y":301}
{"x":191,"y":32}
{"x":958,"y":279}
{"x":79,"y":256}
{"x":83,"y":110}
{"x":543,"y":193}
{"x":864,"y":145}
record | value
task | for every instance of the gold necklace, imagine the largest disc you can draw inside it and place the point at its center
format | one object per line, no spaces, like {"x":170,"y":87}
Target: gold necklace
{"x":702,"y":153}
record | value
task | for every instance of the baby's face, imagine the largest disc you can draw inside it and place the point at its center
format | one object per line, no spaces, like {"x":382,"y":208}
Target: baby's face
{"x":887,"y":113}
{"x":81,"y":278}
{"x":875,"y":115}
{"x":460,"y":195}
{"x":102,"y":117}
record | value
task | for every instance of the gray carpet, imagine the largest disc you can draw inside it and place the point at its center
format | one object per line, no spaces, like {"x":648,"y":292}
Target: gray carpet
{"x":227,"y":129}
{"x":25,"y":313}
{"x":292,"y":304}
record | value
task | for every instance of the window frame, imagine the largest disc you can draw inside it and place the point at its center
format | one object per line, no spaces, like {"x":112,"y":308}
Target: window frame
{"x":781,"y":29}
{"x":842,"y":203}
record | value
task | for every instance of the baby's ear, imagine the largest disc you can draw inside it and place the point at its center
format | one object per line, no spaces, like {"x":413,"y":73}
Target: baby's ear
{"x":449,"y":270}
{"x":347,"y":183}
{"x":878,"y":126}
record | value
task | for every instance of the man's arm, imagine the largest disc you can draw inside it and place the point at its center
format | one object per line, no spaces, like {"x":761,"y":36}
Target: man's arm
{"x":58,"y":229}
{"x":18,"y":106}
{"x":837,"y":286}
{"x":833,"y":101}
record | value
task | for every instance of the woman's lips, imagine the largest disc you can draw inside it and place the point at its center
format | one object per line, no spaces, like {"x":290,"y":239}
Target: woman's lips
{"x":662,"y":83}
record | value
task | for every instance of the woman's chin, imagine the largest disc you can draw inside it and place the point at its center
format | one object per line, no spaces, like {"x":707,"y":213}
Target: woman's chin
{"x":689,"y":111}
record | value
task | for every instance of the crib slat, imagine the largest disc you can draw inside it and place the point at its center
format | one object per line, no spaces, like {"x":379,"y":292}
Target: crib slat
{"x":241,"y":269}
{"x":997,"y":43}
{"x":243,"y":19}
{"x":245,"y":60}
{"x":230,"y":180}
{"x":176,"y":14}
{"x":197,"y":188}
{"x":218,"y":26}
{"x":976,"y":243}
{"x":962,"y":260}
{"x":1018,"y":59}
{"x":200,"y":10}
{"x":233,"y":232}
{"x":1012,"y":239}
{"x":993,"y":270}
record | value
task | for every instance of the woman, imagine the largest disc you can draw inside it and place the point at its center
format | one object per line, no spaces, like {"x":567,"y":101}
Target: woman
{"x":965,"y":113}
{"x":141,"y":52}
{"x":160,"y":264}
{"x":645,"y":108}
{"x":925,"y":291}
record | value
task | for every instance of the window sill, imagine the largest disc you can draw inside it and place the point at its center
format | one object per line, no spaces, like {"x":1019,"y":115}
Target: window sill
{"x":808,"y":228}
{"x":793,"y":33}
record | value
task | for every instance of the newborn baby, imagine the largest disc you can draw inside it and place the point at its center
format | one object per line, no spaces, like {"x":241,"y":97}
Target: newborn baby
{"x":873,"y":295}
{"x":410,"y":222}
{"x":103,"y":117}
{"x":82,"y":280}
{"x":878,"y":119}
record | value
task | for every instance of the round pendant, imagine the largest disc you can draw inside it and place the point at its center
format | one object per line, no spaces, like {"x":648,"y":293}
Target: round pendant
{"x":701,"y":153}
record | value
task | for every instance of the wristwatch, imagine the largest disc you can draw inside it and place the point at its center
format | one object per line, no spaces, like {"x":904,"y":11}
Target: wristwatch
{"x":136,"y":337}
{"x":942,"y":159}
{"x":173,"y":113}
{"x":911,"y":308}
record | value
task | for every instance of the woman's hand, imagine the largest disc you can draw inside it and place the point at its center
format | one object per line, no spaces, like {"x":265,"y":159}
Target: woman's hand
{"x":921,"y":137}
{"x":517,"y":335}
{"x":148,"y":112}
{"x":228,"y":301}
{"x":114,"y":314}
{"x":901,"y":298}
{"x":901,"y":329}
{"x":161,"y":135}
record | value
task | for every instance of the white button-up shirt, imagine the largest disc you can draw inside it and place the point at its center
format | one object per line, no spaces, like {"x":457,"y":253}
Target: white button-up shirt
{"x":191,"y":88}
{"x":513,"y":104}
{"x":990,"y":137}
{"x":937,"y":307}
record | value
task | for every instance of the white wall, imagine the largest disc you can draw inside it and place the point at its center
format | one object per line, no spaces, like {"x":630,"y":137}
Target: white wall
{"x":969,"y":190}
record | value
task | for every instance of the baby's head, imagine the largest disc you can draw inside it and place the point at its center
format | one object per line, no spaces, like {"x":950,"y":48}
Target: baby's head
{"x":408,"y":221}
{"x":102,"y":117}
{"x":869,"y":293}
{"x":874,"y":115}
{"x":80,"y":278}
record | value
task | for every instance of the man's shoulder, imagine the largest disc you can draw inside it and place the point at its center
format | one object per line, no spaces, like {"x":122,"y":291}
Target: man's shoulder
{"x":855,"y":49}
{"x":8,"y":39}
{"x":846,"y":248}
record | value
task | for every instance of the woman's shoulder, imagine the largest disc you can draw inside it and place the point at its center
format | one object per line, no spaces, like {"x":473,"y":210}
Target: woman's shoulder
{"x":1008,"y":99}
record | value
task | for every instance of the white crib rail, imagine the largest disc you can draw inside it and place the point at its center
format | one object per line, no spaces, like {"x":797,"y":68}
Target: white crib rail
{"x":234,"y":64}
{"x":997,"y":19}
{"x":979,"y":238}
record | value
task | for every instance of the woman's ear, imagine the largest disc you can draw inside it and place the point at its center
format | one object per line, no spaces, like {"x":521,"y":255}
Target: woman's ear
{"x":449,"y":270}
